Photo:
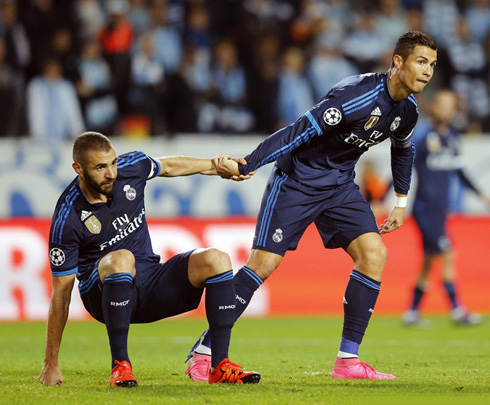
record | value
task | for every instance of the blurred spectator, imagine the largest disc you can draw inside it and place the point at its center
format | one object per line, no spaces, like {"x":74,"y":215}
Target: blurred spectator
{"x":53,"y":109}
{"x":91,"y":16}
{"x":295,"y":93}
{"x":365,"y":45}
{"x":373,"y":187}
{"x":467,"y":65}
{"x":226,"y":109}
{"x":95,"y":89}
{"x":391,"y":20}
{"x":140,"y":16}
{"x":11,"y":96}
{"x":116,"y":39}
{"x":167,"y":43}
{"x":66,"y":51}
{"x":440,"y":20}
{"x":477,"y":16}
{"x":17,"y":53}
{"x":146,"y":93}
{"x":327,"y":67}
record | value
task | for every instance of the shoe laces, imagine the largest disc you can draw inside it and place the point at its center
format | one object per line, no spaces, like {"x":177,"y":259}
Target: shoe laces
{"x":231,"y":372}
{"x":367,"y":368}
{"x":122,"y":370}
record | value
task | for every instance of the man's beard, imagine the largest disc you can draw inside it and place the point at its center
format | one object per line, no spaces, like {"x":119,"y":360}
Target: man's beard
{"x":99,"y":188}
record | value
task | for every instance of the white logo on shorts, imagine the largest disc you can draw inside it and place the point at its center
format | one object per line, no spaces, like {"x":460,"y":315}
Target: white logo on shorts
{"x":332,"y":116}
{"x":277,"y":237}
{"x":395,"y":124}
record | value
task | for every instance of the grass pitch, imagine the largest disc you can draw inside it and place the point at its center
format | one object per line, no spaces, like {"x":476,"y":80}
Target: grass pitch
{"x":441,"y":364}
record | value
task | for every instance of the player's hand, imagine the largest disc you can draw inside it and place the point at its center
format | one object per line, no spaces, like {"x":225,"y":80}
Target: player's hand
{"x":227,"y":168}
{"x":394,"y":220}
{"x":51,"y":375}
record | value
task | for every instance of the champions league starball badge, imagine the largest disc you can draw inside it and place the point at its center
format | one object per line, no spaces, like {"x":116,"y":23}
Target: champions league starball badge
{"x":56,"y":256}
{"x":332,"y":116}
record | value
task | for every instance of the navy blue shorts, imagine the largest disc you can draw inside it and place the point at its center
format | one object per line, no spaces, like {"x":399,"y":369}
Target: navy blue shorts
{"x":341,"y":214}
{"x":432,"y":226}
{"x":160,"y":290}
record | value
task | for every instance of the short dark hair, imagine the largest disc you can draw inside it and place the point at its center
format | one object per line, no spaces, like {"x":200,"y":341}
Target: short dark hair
{"x":407,"y":42}
{"x":89,"y":141}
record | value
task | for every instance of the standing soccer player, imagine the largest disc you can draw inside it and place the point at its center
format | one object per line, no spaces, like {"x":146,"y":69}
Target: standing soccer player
{"x":100,"y":235}
{"x":313,"y":181}
{"x":438,"y":158}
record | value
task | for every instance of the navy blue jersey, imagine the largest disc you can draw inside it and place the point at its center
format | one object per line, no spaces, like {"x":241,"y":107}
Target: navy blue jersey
{"x":438,"y":158}
{"x":82,"y":233}
{"x":322,"y":147}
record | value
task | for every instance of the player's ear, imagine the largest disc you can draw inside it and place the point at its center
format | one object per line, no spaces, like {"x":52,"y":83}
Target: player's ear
{"x":77,"y":167}
{"x":397,"y":62}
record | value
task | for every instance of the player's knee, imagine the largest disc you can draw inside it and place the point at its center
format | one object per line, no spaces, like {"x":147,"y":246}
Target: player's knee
{"x":373,"y":261}
{"x":119,"y":261}
{"x":216,"y":261}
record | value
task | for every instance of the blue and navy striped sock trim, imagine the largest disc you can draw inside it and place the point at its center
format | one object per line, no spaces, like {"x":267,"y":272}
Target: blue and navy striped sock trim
{"x":218,"y":278}
{"x":252,"y":275}
{"x":119,"y":278}
{"x":365,"y":280}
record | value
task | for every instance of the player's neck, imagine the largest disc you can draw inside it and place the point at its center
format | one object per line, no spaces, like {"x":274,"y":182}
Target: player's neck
{"x":398,"y":90}
{"x":92,"y":196}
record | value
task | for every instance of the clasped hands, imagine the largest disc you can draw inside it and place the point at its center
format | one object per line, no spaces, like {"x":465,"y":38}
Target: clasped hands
{"x":227,"y":168}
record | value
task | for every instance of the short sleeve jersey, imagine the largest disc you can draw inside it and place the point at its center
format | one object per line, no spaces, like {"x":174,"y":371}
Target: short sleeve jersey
{"x":81,"y":233}
{"x":321,"y":148}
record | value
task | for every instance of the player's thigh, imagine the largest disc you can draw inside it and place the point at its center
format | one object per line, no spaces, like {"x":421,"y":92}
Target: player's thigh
{"x":345,"y":220}
{"x":165,"y":290}
{"x":285,"y":213}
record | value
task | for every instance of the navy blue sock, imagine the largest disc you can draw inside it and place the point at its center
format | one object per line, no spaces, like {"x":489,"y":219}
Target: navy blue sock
{"x":220,"y":306}
{"x":359,"y":301}
{"x":116,"y":307}
{"x":418,"y":293}
{"x":451,"y":293}
{"x":246,"y":283}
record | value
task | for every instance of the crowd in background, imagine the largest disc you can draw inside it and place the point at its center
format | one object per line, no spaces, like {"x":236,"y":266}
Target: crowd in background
{"x":218,"y":66}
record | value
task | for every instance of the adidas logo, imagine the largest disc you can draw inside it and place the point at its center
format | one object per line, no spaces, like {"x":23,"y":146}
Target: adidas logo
{"x":376,"y":111}
{"x":345,"y":301}
{"x":85,"y":215}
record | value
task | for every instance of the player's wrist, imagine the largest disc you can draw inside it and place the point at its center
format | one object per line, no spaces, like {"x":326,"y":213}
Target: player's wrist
{"x":401,"y":201}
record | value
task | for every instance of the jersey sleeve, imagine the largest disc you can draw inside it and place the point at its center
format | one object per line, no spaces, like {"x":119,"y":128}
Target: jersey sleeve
{"x":324,"y":118}
{"x":145,"y":165}
{"x":403,"y":149}
{"x":64,"y":238}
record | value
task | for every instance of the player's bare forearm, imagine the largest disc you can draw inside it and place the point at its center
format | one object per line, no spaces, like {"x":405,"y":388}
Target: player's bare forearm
{"x":57,"y":317}
{"x":394,"y":220}
{"x":174,"y":166}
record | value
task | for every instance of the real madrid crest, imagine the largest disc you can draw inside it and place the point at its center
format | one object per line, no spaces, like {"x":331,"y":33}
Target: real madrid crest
{"x":395,"y":124}
{"x":277,"y":237}
{"x":130,"y":192}
{"x":93,"y":225}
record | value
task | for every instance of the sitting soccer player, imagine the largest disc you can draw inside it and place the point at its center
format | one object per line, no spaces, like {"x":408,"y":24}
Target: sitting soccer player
{"x":100,"y":235}
{"x":313,"y":182}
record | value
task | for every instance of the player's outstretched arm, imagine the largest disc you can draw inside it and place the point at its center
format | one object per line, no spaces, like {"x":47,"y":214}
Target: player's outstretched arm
{"x":397,"y":214}
{"x":57,"y":317}
{"x":227,"y":168}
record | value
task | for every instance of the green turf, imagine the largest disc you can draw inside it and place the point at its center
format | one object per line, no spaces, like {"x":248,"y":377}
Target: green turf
{"x":441,"y":364}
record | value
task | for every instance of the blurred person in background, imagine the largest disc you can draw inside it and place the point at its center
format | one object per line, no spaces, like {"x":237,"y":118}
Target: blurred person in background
{"x":313,"y":182}
{"x":116,"y":40}
{"x":437,"y":160}
{"x":96,"y":89}
{"x":53,"y":108}
{"x":226,"y":109}
{"x":295,"y":92}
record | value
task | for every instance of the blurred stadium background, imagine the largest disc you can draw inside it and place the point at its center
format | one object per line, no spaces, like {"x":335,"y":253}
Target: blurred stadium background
{"x":202,"y":77}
